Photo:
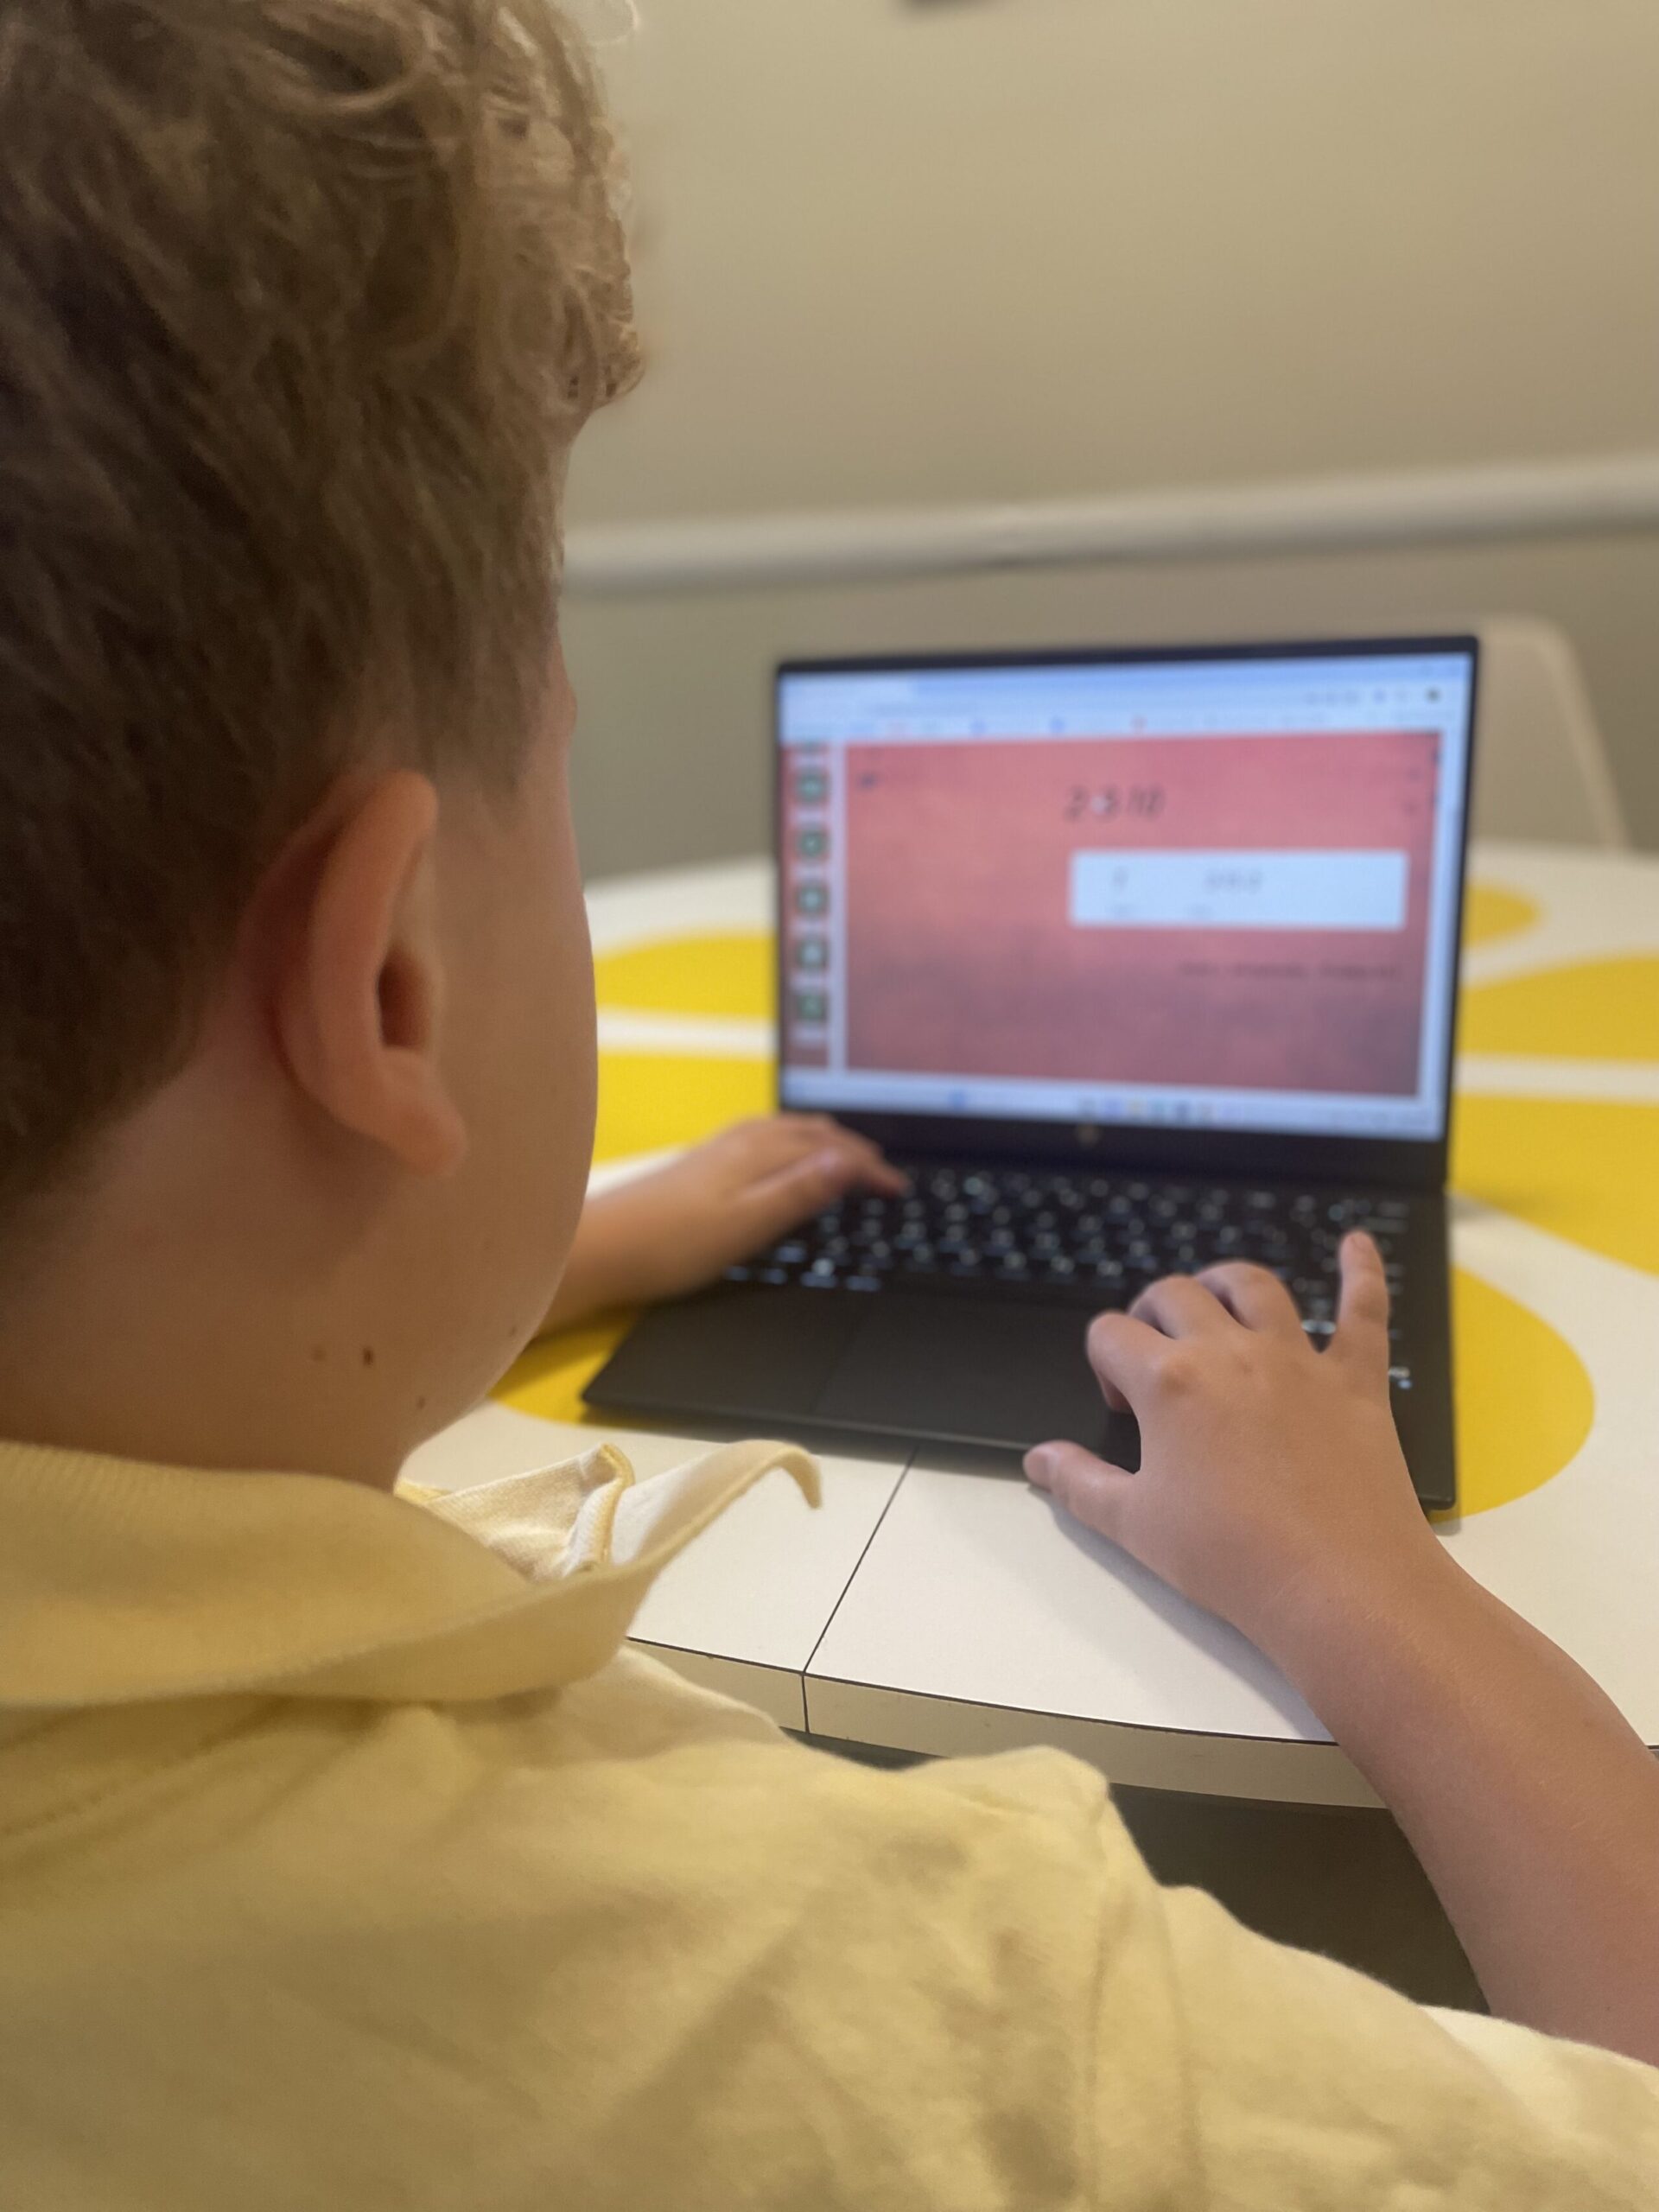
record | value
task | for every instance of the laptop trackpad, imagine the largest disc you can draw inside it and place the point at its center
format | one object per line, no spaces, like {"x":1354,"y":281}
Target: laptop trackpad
{"x":980,"y":1372}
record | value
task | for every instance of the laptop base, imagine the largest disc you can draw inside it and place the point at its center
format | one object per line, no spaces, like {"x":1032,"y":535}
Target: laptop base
{"x":914,"y":1368}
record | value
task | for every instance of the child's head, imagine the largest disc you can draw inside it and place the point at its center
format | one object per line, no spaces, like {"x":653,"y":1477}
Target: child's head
{"x":302,"y":304}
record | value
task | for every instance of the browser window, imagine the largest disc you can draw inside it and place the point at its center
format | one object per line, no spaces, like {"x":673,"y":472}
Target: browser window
{"x":1200,"y":892}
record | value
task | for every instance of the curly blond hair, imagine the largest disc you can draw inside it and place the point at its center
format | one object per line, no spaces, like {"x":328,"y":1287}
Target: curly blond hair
{"x":302,"y":304}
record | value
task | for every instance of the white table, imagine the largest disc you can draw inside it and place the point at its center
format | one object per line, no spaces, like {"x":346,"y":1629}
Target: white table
{"x":933,"y":1607}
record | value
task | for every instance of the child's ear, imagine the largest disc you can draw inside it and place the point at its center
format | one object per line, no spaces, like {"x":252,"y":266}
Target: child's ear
{"x":359,"y":989}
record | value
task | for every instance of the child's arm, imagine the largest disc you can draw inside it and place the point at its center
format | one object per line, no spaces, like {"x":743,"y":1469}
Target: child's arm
{"x":1273,"y":1491}
{"x":668,"y":1231}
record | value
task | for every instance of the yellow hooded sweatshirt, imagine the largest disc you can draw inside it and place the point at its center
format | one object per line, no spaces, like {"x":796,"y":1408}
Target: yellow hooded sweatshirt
{"x":348,"y":1860}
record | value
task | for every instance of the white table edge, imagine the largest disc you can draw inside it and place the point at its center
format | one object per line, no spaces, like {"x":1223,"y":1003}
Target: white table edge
{"x":779,"y":1692}
{"x":1193,"y":1762}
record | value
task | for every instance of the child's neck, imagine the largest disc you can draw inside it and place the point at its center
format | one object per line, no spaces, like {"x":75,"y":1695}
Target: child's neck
{"x":115,"y":1361}
{"x":187,"y":1317}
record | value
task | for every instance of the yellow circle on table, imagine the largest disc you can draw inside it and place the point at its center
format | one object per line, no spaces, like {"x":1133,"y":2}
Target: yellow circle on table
{"x":731,"y":973}
{"x":549,"y":1378}
{"x":1594,"y":1010}
{"x":1489,"y":912}
{"x":1586,"y":1169}
{"x":1524,"y":1402}
{"x":649,"y":1102}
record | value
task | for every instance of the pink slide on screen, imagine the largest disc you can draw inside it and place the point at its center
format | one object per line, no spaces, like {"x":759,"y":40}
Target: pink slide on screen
{"x":978,"y":945}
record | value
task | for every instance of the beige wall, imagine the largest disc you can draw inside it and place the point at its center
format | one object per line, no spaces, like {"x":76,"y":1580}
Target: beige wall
{"x":1008,"y":248}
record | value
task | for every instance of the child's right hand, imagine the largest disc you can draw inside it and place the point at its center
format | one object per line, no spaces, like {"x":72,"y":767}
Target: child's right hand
{"x":1273,"y":1490}
{"x":1272,"y":1487}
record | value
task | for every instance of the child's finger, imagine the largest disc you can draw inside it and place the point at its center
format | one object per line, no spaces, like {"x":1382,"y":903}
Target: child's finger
{"x":1252,"y":1297}
{"x":1362,"y":1332}
{"x":801,"y":1130}
{"x":1181,"y":1308}
{"x":793,"y":1136}
{"x":1126,"y":1355}
{"x":1090,"y":1490}
{"x":879,"y":1172}
{"x":765,"y":1209}
{"x":870,"y":1164}
{"x":773,"y":1141}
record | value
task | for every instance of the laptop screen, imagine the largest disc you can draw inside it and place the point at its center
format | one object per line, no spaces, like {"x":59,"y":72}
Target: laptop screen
{"x":1200,"y":890}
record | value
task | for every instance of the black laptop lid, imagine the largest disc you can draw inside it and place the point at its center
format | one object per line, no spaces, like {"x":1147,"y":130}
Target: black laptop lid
{"x":1196,"y":908}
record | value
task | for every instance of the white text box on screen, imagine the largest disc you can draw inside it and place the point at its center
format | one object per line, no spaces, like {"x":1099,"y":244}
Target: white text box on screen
{"x":1146,"y":890}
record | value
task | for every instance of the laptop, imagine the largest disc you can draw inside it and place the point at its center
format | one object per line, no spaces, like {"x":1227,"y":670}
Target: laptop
{"x":1136,"y":961}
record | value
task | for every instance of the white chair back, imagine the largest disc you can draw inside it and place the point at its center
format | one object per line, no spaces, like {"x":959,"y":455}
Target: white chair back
{"x":1541,"y":771}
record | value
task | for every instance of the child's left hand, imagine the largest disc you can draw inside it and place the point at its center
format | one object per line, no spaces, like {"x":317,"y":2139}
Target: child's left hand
{"x":683,"y":1225}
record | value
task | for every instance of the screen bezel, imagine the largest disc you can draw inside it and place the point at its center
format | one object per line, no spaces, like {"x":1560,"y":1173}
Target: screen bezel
{"x":1413,"y":1162}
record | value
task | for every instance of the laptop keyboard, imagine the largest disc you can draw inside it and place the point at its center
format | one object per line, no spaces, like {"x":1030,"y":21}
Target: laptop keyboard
{"x":1096,"y":1240}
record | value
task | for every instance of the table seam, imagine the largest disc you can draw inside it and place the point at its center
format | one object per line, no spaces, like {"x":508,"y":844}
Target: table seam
{"x":806,"y":1669}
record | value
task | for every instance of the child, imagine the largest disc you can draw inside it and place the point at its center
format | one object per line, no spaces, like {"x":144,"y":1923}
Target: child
{"x":346,"y":1858}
